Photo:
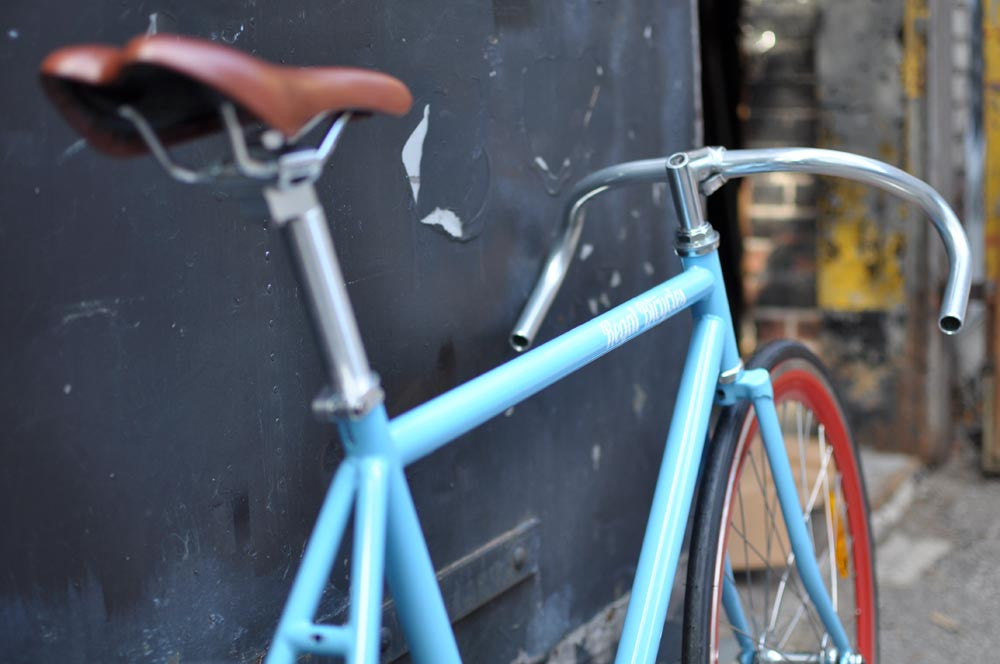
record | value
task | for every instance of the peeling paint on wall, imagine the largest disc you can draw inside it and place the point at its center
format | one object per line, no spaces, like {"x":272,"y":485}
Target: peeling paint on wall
{"x":413,"y":152}
{"x":595,"y":93}
{"x":74,"y":148}
{"x":554,"y":180}
{"x":159,"y":22}
{"x":412,"y":155}
{"x":446,"y":219}
{"x":639,"y":398}
{"x":108,"y":307}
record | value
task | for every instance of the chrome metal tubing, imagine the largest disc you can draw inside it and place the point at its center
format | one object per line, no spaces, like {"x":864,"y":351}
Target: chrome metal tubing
{"x":686,"y":197}
{"x":293,"y":167}
{"x":175,"y":170}
{"x":333,"y":317}
{"x":556,"y":265}
{"x":248,"y":166}
{"x":716,"y":165}
{"x":770,"y":655}
{"x":711,"y":167}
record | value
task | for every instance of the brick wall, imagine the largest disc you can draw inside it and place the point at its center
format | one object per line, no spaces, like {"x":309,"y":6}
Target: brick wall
{"x":780,"y":208}
{"x":844,"y":267}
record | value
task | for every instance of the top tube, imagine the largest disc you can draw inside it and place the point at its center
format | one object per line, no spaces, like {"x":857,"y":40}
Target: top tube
{"x":424,"y":429}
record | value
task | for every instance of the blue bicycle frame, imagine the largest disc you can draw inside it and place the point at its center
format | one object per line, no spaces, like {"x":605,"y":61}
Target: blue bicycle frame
{"x":388,"y":542}
{"x":379,"y":449}
{"x":387,"y":535}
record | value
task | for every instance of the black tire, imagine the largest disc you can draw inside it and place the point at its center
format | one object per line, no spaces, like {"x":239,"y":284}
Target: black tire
{"x":800,"y":381}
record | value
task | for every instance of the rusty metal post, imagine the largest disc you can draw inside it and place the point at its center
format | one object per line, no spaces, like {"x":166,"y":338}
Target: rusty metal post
{"x":991,"y":209}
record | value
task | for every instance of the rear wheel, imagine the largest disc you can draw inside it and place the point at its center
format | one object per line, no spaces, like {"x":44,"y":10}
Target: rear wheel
{"x":738,"y":517}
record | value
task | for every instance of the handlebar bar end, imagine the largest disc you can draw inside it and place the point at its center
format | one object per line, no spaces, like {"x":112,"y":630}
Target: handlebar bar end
{"x":950,"y":324}
{"x":519,"y":342}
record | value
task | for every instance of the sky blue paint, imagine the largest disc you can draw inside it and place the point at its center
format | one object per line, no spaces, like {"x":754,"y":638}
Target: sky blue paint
{"x":388,"y":536}
{"x":734,"y":612}
{"x":435,"y":423}
{"x":788,"y":498}
{"x":662,"y":543}
{"x":315,"y":566}
{"x":413,"y":583}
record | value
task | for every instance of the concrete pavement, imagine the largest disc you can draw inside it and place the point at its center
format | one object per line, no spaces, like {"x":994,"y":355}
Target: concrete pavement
{"x":939,"y":567}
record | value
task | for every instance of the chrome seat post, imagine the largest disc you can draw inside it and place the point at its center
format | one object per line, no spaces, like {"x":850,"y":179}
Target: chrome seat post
{"x":292,"y":201}
{"x":296,"y":207}
{"x":291,"y":198}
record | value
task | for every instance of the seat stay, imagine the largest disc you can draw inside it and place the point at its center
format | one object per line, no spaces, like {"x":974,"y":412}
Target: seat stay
{"x":295,"y":632}
{"x":388,"y":544}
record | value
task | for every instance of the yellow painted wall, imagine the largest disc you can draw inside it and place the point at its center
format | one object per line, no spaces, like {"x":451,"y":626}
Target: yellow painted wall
{"x":991,"y":122}
{"x":860,"y":264}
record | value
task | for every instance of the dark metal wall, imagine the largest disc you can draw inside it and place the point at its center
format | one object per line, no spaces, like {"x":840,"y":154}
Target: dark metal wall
{"x":159,"y":469}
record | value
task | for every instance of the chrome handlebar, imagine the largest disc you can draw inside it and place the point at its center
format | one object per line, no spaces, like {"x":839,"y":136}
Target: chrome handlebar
{"x":557,"y":264}
{"x":711,"y":167}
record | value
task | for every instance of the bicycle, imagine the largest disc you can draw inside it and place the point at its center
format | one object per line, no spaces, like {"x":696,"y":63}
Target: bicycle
{"x":160,"y":90}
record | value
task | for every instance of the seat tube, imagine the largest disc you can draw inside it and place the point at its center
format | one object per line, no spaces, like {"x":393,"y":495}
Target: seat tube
{"x":296,"y":207}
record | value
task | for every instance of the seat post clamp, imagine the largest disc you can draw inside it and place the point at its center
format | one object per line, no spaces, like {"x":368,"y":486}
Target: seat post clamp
{"x":330,"y":405}
{"x":287,"y":201}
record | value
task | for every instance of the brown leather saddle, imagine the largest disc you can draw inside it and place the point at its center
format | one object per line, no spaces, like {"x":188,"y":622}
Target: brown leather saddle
{"x":178,"y":83}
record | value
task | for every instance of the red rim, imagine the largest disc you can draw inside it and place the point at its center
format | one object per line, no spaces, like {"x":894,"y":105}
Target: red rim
{"x":809,"y":389}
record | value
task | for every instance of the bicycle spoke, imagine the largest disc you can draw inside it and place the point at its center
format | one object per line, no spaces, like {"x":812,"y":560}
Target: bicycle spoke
{"x":772,"y":519}
{"x":779,"y":596}
{"x":768,"y":531}
{"x":830,"y":541}
{"x":796,"y":588}
{"x":780,"y":621}
{"x":746,"y":559}
{"x":788,"y":581}
{"x":802,"y":447}
{"x":804,"y":609}
{"x":771,"y":506}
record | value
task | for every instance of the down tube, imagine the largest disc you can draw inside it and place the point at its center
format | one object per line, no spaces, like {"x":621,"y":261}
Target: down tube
{"x":668,"y":516}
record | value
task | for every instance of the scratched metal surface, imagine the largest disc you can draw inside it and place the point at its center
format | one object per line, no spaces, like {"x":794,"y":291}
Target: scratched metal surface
{"x":159,"y":471}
